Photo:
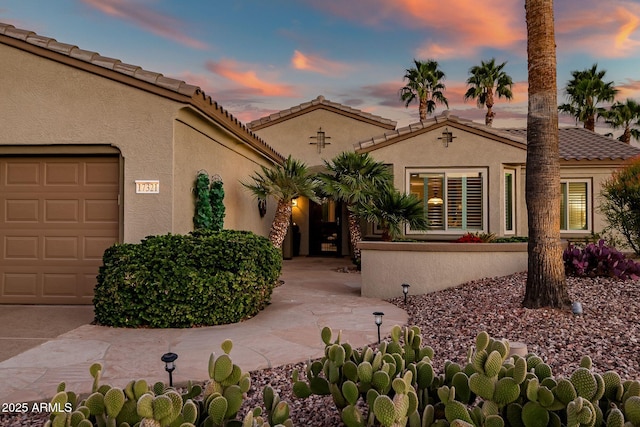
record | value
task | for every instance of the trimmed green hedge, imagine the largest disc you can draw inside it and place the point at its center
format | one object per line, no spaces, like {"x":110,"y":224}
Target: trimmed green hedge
{"x":178,"y":281}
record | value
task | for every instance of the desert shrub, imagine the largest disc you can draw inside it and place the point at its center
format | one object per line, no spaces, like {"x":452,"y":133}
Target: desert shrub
{"x":620,"y":203}
{"x":599,"y":260}
{"x":512,"y":239}
{"x":204,"y":278}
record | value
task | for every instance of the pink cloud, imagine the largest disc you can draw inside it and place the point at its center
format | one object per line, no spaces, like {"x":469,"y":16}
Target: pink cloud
{"x":499,"y":24}
{"x":610,"y":30}
{"x":317,"y":64}
{"x":247,"y":78}
{"x":157,"y":23}
{"x":629,"y":89}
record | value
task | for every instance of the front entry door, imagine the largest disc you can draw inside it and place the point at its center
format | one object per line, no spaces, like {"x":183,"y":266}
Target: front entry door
{"x":325,"y":237}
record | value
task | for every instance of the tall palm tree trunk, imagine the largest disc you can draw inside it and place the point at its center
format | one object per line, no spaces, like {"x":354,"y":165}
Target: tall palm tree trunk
{"x":546,"y":284}
{"x":422,"y":109}
{"x":590,"y":123}
{"x":488,"y":119}
{"x":626,"y":135}
{"x":355,"y":234}
{"x":280,"y":224}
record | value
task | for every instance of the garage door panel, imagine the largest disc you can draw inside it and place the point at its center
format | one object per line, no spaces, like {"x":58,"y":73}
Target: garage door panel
{"x":58,"y":216}
{"x":19,"y":173}
{"x":21,"y":210}
{"x":101,"y":174}
{"x":101,"y":211}
{"x":94,"y":247}
{"x":59,"y":285}
{"x":21,"y":248}
{"x":62,"y":174}
{"x":61,"y":211}
{"x":59,"y":248}
{"x":20,"y":284}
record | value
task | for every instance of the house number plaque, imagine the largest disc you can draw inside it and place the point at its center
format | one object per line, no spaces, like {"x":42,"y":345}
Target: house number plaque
{"x":147,"y":186}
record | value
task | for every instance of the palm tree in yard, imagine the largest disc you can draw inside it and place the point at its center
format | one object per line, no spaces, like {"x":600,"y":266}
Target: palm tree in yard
{"x":487,"y":80}
{"x":624,"y":116}
{"x":585,"y":91}
{"x":283,"y":182}
{"x":352,"y":178}
{"x":546,"y":284}
{"x":424,"y":83}
{"x":392,"y":209}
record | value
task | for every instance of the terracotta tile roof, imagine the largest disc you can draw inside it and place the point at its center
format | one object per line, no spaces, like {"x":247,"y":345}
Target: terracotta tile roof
{"x":582,"y":144}
{"x":319,"y":102}
{"x":574,"y":143}
{"x":194,"y":94}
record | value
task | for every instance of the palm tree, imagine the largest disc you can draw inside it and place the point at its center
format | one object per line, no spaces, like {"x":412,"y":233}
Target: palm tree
{"x":352,"y":178}
{"x":546,"y":284}
{"x":392,"y":209}
{"x":624,"y":116}
{"x":585,"y":91}
{"x":486,"y":80}
{"x":285,"y":183}
{"x":425,"y":85}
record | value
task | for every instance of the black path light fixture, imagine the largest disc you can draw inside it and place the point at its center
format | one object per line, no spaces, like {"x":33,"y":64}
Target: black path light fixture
{"x":378,"y":319}
{"x":169,"y":360}
{"x":405,"y":291}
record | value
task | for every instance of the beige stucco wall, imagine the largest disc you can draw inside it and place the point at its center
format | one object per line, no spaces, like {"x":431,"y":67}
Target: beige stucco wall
{"x":202,"y":145}
{"x":44,"y":102}
{"x":468,"y":150}
{"x":596,"y":173}
{"x":291,"y":136}
{"x":430,"y":266}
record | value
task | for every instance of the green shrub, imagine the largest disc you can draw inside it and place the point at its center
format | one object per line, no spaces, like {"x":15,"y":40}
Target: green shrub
{"x":512,"y":239}
{"x":177,"y":281}
{"x":621,"y":203}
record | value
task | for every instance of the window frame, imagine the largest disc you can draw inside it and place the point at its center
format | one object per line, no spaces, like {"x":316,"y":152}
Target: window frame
{"x":484,"y":174}
{"x":588,"y":207}
{"x":513,"y":196}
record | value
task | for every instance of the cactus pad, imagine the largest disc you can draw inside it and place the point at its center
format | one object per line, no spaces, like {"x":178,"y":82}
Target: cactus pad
{"x":615,"y":418}
{"x":507,"y":391}
{"x":351,"y":393}
{"x":95,"y":403}
{"x":455,"y":410}
{"x":352,"y":417}
{"x":632,"y":410}
{"x":482,"y":341}
{"x":222,"y":368}
{"x":585,"y":383}
{"x":482,"y":385}
{"x":384,"y":410}
{"x":113,"y":402}
{"x":325,"y":334}
{"x":145,"y":406}
{"x":534,"y":415}
{"x":217,"y":408}
{"x":493,"y":364}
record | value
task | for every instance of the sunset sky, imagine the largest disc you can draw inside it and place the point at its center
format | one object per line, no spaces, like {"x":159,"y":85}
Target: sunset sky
{"x":256,"y":57}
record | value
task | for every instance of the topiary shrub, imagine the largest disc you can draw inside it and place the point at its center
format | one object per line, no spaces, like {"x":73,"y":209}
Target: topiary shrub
{"x":179,"y":281}
{"x":599,"y":260}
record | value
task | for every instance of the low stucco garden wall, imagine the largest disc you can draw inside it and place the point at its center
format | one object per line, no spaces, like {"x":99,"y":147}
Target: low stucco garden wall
{"x":433,"y":266}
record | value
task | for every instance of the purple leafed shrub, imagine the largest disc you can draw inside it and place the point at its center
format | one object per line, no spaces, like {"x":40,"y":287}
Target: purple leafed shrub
{"x":599,"y":260}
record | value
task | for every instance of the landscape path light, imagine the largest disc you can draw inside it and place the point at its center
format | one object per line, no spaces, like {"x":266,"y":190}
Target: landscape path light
{"x":378,"y":319}
{"x":405,"y":291}
{"x":169,"y":360}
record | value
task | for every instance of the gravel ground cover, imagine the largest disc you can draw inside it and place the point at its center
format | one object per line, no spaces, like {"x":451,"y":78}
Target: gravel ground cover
{"x":608,"y":331}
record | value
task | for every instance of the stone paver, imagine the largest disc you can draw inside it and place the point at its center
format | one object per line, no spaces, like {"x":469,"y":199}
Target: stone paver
{"x":314,"y":295}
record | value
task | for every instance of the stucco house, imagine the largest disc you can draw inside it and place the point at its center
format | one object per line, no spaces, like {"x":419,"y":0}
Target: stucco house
{"x":95,"y":151}
{"x":472,"y":177}
{"x":315,"y":132}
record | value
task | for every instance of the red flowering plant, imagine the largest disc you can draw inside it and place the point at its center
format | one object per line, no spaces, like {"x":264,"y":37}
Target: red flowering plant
{"x":469,"y":238}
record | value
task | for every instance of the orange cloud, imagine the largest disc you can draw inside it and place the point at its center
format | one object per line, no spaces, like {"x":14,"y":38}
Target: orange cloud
{"x":610,"y":30}
{"x":455,"y":27}
{"x":317,"y":64}
{"x":630,"y":89}
{"x":149,"y":19}
{"x":239,"y":73}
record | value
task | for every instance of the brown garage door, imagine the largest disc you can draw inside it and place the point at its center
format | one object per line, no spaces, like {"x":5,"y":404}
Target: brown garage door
{"x":58,"y":216}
